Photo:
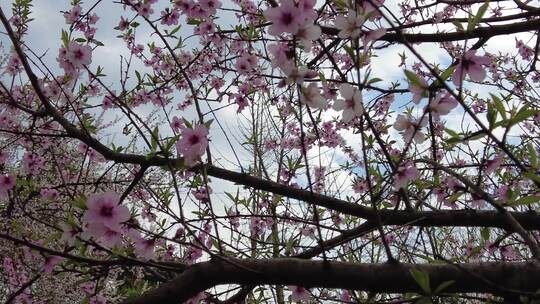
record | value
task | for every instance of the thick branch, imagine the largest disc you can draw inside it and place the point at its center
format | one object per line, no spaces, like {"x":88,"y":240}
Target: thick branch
{"x":480,"y":32}
{"x":387,"y":278}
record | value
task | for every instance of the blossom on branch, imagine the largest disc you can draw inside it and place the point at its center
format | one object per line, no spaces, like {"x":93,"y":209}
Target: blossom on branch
{"x":470,"y":64}
{"x":351,"y":105}
{"x":192,"y":144}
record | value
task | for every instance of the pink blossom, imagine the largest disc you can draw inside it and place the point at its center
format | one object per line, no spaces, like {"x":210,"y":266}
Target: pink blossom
{"x":477,"y":201}
{"x":69,"y":234}
{"x":308,"y":231}
{"x":441,"y":105}
{"x":246,"y":64}
{"x":79,"y":55}
{"x":170,"y":17}
{"x":420,"y":91}
{"x":374,"y":35}
{"x":202,"y":194}
{"x":210,"y":6}
{"x":297,"y":74}
{"x":98,"y":299}
{"x":192,"y":144}
{"x":410,"y":128}
{"x":345,"y":296}
{"x":123,"y":24}
{"x":104,"y":211}
{"x":286,"y":18}
{"x":281,"y":54}
{"x":494,"y":164}
{"x":470,"y":64}
{"x":299,"y":294}
{"x":7,"y":182}
{"x":177,"y":124}
{"x":145,"y":248}
{"x":197,"y":299}
{"x":311,"y":96}
{"x":32,"y":163}
{"x":360,"y":185}
{"x":307,"y":33}
{"x":350,"y":26}
{"x":508,"y":252}
{"x":351,"y":105}
{"x":14,"y":65}
{"x":50,"y":262}
{"x":49,"y":194}
{"x":404,"y":174}
{"x":73,"y":14}
{"x":145,"y":10}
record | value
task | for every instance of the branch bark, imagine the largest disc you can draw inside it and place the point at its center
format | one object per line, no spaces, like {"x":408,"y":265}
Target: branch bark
{"x":494,"y":278}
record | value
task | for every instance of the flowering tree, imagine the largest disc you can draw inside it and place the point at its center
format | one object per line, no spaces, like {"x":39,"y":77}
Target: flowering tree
{"x":363,"y":151}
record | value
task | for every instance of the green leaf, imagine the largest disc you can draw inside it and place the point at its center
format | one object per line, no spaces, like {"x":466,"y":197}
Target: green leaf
{"x":526,"y":200}
{"x":499,"y":105}
{"x":533,"y":157}
{"x":478,"y":16}
{"x":80,"y":202}
{"x":522,"y":115}
{"x":484,"y":232}
{"x":451,"y":132}
{"x":443,"y":286}
{"x":448,"y":72}
{"x":373,"y":80}
{"x":65,"y":38}
{"x":208,"y":123}
{"x":532,"y":176}
{"x":491,"y":115}
{"x":413,"y":79}
{"x":458,"y":25}
{"x":422,"y":278}
{"x":154,"y":138}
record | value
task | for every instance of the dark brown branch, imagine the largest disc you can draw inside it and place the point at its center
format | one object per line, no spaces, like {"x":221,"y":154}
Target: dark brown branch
{"x":496,"y":277}
{"x":480,"y":32}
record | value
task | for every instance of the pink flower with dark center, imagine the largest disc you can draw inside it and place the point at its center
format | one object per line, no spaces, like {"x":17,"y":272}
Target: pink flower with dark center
{"x":286,"y":18}
{"x":50,"y":262}
{"x":73,"y":15}
{"x":360,"y":185}
{"x":210,"y":6}
{"x":307,"y":33}
{"x":246,"y":64}
{"x":470,"y":64}
{"x":145,"y":248}
{"x":192,"y":144}
{"x":103,"y":210}
{"x":79,"y":55}
{"x":442,"y":105}
{"x":404,"y":174}
{"x":351,"y":105}
{"x":69,"y":234}
{"x":350,"y":26}
{"x":123,"y":24}
{"x":145,"y":10}
{"x":410,"y":128}
{"x":170,"y":17}
{"x":299,"y":294}
{"x":494,"y":164}
{"x":7,"y":182}
{"x":311,"y":96}
{"x":177,"y":124}
{"x":281,"y":54}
